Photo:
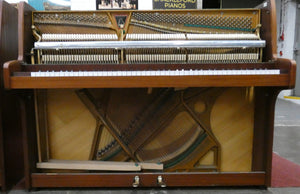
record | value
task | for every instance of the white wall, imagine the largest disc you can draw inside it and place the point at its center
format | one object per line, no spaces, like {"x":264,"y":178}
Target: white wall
{"x":15,"y":1}
{"x":83,"y":5}
{"x":286,"y":17}
{"x":145,"y":5}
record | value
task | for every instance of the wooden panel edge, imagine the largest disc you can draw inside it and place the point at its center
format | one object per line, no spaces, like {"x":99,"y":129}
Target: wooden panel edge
{"x":24,"y":29}
{"x":148,"y":179}
{"x":127,"y":82}
{"x":8,"y":68}
{"x":291,"y":66}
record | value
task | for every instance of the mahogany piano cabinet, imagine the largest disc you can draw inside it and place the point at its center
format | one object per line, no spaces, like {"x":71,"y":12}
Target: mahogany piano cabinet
{"x":11,"y":153}
{"x":172,"y":98}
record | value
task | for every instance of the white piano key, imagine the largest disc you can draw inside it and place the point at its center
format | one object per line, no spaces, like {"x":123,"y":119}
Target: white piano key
{"x":75,"y":73}
{"x":71,"y":74}
{"x":181,"y":72}
{"x":249,"y":72}
{"x":268,"y":72}
{"x":147,"y":73}
{"x":158,"y":73}
{"x":119,"y":73}
{"x":55,"y":74}
{"x":217,"y":72}
{"x":174,"y":73}
{"x":114,"y":73}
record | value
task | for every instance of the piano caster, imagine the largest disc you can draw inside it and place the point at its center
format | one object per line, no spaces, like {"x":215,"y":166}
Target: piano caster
{"x":136,"y":181}
{"x":161,"y":182}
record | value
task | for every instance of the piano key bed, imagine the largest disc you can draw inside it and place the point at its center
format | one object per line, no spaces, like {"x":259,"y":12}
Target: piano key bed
{"x":146,"y":75}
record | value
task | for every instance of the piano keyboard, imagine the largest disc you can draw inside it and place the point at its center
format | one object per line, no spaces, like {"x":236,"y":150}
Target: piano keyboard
{"x":154,"y":73}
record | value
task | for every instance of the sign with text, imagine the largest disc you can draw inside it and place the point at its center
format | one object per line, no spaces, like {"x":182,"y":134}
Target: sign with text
{"x":174,"y":4}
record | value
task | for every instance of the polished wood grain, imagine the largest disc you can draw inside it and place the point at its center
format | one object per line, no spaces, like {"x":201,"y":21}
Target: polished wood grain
{"x":265,"y":100}
{"x":41,"y":124}
{"x":17,"y":76}
{"x":268,"y":30}
{"x":234,"y":130}
{"x":67,"y":118}
{"x":29,"y":137}
{"x":147,"y":179}
{"x":151,"y":81}
{"x":10,"y":169}
{"x":291,"y":66}
{"x":71,"y":126}
{"x":25,"y":41}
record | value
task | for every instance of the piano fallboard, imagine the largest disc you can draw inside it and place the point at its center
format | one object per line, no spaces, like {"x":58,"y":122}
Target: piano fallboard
{"x":22,"y":76}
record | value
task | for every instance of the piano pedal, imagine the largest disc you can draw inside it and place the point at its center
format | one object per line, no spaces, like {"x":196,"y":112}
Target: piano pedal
{"x":136,"y":181}
{"x":161,"y":182}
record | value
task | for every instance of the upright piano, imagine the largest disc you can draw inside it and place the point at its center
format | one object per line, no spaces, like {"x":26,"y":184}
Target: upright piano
{"x":11,"y":170}
{"x":148,"y":98}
